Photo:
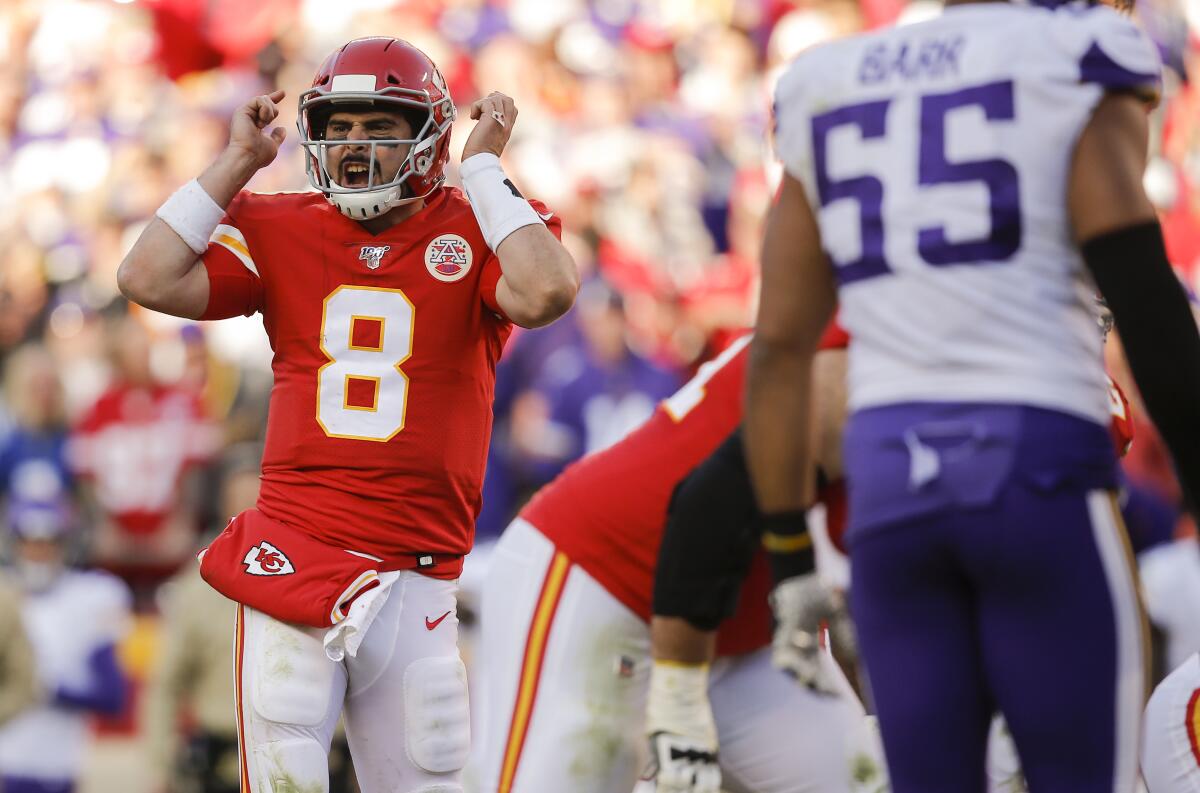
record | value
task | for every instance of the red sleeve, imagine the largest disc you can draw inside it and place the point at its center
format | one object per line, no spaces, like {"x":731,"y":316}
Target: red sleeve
{"x":835,"y":337}
{"x":491,"y":265}
{"x":234,"y":286}
{"x":233,"y":291}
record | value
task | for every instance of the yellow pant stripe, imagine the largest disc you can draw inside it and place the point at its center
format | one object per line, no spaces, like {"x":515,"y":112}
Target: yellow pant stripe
{"x":531,"y":667}
{"x":239,"y":650}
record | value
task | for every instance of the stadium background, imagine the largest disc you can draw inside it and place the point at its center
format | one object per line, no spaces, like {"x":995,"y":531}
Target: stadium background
{"x":643,"y":123}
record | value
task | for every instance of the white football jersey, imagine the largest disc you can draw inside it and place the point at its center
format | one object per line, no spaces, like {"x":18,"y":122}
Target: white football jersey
{"x":82,"y":612}
{"x":936,"y":158}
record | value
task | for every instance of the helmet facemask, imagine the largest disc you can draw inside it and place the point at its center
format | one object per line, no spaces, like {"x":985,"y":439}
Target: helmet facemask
{"x":382,"y":191}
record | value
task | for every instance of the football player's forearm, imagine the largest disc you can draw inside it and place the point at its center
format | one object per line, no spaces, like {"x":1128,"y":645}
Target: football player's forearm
{"x":540,"y":277}
{"x":1123,"y":247}
{"x":796,"y":301}
{"x":227,"y":175}
{"x":675,"y":639}
{"x":1149,"y":305}
{"x":777,"y":427}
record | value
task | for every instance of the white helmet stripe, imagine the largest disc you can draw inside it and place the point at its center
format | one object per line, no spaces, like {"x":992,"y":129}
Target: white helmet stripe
{"x":352,"y":82}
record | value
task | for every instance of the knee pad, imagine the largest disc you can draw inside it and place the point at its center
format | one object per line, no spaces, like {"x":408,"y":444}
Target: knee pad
{"x":292,"y":676}
{"x":437,"y":719}
{"x":296,"y":764}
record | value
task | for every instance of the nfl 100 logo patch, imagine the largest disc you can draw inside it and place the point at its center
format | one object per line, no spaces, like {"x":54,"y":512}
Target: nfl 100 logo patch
{"x":448,"y":258}
{"x":373,"y":255}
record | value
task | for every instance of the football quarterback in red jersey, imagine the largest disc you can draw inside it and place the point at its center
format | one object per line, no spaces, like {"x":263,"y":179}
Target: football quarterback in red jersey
{"x":387,"y":297}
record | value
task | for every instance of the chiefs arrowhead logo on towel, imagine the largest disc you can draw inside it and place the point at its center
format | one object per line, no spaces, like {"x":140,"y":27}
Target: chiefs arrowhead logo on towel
{"x":266,"y":559}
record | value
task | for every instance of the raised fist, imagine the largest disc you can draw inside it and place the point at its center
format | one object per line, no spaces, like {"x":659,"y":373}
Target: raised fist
{"x":496,"y":114}
{"x":247,"y":129}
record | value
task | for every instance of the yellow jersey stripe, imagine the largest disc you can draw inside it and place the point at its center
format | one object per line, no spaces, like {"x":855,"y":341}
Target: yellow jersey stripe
{"x":232,"y":240}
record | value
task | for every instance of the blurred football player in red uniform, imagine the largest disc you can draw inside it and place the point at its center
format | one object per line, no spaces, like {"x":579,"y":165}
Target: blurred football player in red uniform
{"x":567,"y":645}
{"x":387,"y":298}
{"x":138,"y":453}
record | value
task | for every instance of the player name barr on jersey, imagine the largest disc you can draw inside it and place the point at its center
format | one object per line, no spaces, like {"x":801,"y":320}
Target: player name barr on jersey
{"x":907,"y":60}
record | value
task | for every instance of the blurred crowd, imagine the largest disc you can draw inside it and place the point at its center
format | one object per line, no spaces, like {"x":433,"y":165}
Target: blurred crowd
{"x":126,"y":436}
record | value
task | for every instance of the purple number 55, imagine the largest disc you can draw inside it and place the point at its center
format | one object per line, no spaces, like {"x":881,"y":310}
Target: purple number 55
{"x":933,"y":168}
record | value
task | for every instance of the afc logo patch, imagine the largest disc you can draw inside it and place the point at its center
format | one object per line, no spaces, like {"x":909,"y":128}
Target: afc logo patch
{"x":448,"y":258}
{"x":266,"y":559}
{"x":373,"y":255}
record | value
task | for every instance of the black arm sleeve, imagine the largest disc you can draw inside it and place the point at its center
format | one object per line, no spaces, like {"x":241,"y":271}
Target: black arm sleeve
{"x":713,"y":530}
{"x":1159,"y":334}
{"x":711,"y":534}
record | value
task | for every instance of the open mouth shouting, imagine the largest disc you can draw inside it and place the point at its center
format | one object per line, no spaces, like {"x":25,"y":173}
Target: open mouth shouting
{"x":356,"y":172}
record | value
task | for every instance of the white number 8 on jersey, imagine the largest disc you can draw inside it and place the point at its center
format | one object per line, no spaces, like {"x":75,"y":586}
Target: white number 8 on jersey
{"x":366,"y":333}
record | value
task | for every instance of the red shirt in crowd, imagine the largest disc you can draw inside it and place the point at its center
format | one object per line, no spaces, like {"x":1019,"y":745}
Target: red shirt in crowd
{"x":135,"y":444}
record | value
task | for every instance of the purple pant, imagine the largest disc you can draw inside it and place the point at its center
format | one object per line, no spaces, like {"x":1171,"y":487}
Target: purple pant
{"x":991,"y":574}
{"x":11,"y":784}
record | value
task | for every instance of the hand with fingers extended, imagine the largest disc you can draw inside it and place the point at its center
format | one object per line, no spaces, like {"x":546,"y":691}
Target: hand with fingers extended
{"x":496,"y":114}
{"x":248,"y":132}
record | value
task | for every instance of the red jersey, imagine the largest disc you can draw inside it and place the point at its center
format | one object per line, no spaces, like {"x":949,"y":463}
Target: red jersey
{"x":607,"y":512}
{"x":385,"y":354}
{"x":1121,"y":425}
{"x":134,"y":444}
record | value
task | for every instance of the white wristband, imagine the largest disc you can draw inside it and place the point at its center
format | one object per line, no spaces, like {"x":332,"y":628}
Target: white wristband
{"x":498,"y":209}
{"x":678,"y":702}
{"x":192,"y":214}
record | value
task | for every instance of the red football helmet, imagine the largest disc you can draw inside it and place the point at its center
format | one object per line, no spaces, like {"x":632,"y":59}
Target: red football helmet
{"x":379,"y":72}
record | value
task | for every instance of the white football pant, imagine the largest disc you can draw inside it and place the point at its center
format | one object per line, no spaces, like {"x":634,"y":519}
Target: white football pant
{"x":1171,"y":735}
{"x":566,"y":669}
{"x":404,"y":698}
